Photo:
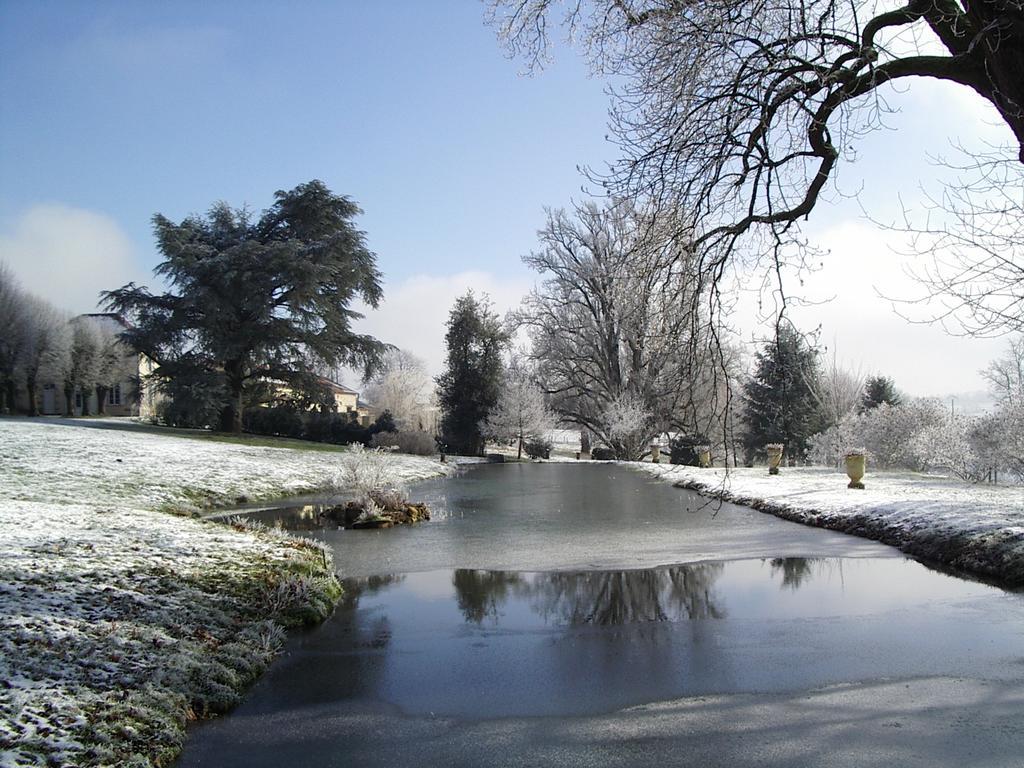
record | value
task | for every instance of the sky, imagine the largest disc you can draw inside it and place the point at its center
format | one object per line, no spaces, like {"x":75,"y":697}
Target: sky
{"x":111,"y":112}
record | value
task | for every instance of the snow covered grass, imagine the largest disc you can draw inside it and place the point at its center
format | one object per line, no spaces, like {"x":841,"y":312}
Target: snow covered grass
{"x":119,"y":622}
{"x":977,"y":529}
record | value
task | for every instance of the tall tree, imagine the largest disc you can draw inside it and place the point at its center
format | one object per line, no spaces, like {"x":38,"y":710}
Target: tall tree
{"x":617,"y":328}
{"x":12,"y":335}
{"x":877,"y":390}
{"x":469,"y":387}
{"x":741,"y":111}
{"x":252,"y":300}
{"x":521,"y":412}
{"x":47,"y":341}
{"x":402,"y":387}
{"x":779,"y":400}
{"x":79,"y":365}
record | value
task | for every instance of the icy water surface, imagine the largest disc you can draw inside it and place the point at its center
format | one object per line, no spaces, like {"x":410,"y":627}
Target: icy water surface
{"x":586,"y":615}
{"x":540,"y":517}
{"x":479,"y":644}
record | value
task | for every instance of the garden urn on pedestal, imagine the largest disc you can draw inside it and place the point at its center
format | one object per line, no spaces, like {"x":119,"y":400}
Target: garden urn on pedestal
{"x":774,"y":451}
{"x":855,"y":466}
{"x":655,"y":454}
{"x":704,"y":456}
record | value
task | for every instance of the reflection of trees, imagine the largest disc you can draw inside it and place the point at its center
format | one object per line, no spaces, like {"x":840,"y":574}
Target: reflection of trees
{"x":353,"y":589}
{"x":795,"y":570}
{"x":604,"y":598}
{"x":624,"y":597}
{"x":480,"y":593}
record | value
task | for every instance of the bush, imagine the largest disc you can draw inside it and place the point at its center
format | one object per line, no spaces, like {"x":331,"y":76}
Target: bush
{"x":415,"y":442}
{"x":384,"y":423}
{"x":279,"y":421}
{"x":537,"y":448}
{"x":337,"y":428}
{"x":603,"y":454}
{"x":685,"y":449}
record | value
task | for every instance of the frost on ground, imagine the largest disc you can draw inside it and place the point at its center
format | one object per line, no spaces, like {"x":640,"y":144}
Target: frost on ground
{"x":977,"y":529}
{"x":119,"y":622}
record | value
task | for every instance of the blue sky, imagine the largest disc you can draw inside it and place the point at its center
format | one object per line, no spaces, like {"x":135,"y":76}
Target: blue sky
{"x":110,"y":112}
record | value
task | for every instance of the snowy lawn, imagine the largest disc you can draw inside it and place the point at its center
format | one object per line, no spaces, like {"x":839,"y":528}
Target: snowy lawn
{"x":978,"y":529}
{"x":118,"y":621}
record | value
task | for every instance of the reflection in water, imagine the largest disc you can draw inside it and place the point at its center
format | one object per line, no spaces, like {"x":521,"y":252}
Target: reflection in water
{"x":794,"y":570}
{"x":480,"y":593}
{"x":602,"y":598}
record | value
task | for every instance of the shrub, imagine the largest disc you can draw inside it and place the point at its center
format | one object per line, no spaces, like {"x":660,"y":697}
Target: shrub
{"x":415,"y":442}
{"x":685,"y":449}
{"x":537,"y":448}
{"x":278,"y":420}
{"x":384,"y":423}
{"x":363,"y":471}
{"x":337,"y":428}
{"x":601,"y":453}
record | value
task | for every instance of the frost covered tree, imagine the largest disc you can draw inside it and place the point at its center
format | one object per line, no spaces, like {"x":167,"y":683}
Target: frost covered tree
{"x":878,"y":390}
{"x":110,"y":353}
{"x":470,"y":385}
{"x":521,"y":412}
{"x":403,"y":387}
{"x":618,"y":320}
{"x":1000,"y":438}
{"x":1005,"y":376}
{"x":740,"y":112}
{"x":79,"y":365}
{"x":47,"y":340}
{"x":256,"y":299}
{"x":838,"y":392}
{"x":12,"y":336}
{"x":779,"y":403}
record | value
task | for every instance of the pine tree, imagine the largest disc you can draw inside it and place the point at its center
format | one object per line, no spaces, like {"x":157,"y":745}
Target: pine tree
{"x":469,"y":387}
{"x":256,"y":300}
{"x":779,"y":400}
{"x":878,"y":390}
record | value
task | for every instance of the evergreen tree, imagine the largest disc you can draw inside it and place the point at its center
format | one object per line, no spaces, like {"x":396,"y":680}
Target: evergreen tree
{"x":779,"y":399}
{"x":470,"y":385}
{"x":256,"y":300}
{"x":878,"y":390}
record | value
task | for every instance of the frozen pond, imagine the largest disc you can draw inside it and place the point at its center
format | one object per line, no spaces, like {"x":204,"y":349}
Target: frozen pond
{"x":537,"y":622}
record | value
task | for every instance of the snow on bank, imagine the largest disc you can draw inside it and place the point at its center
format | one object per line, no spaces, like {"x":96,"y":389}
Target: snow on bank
{"x":978,"y":529}
{"x":117,"y":621}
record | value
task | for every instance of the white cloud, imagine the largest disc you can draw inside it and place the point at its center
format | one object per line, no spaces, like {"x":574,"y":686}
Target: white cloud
{"x":863,"y":262}
{"x":414,"y":311}
{"x":68,"y":255}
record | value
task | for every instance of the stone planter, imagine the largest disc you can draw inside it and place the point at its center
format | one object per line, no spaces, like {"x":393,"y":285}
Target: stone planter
{"x":704,"y":457}
{"x":856,"y":464}
{"x":655,"y":454}
{"x":774,"y":451}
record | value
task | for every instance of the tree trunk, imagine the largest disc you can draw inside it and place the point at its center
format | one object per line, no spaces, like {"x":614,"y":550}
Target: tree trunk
{"x":9,"y":393}
{"x":520,"y":454}
{"x":30,"y":385}
{"x":69,"y":402}
{"x":231,"y":414}
{"x":101,"y":399}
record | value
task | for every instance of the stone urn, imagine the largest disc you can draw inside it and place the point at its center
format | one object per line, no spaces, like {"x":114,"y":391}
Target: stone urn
{"x":704,"y":457}
{"x":856,"y":463}
{"x":655,"y":454}
{"x":774,"y":451}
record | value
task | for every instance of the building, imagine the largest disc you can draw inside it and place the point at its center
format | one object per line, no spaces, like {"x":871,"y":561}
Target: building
{"x":347,"y":401}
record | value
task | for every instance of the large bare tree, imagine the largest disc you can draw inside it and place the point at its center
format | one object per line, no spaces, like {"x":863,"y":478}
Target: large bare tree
{"x":739,"y":111}
{"x":617,"y":327}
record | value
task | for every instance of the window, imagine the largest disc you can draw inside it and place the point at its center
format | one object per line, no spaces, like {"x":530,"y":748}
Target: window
{"x":114,"y":395}
{"x":78,"y":398}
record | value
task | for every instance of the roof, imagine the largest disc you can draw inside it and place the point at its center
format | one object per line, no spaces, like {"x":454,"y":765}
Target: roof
{"x":336,"y":387}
